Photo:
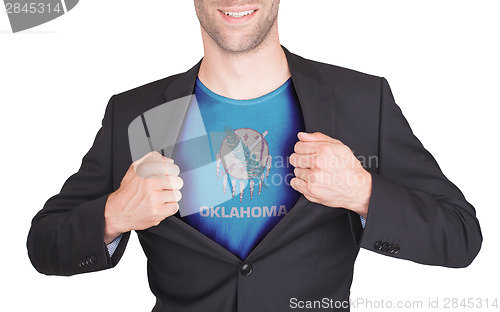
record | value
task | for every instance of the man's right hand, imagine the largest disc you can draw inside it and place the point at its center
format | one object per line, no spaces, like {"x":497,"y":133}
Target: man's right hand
{"x":148,"y":193}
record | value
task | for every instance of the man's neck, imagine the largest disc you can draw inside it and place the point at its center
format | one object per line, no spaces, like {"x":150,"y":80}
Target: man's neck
{"x":244,"y":76}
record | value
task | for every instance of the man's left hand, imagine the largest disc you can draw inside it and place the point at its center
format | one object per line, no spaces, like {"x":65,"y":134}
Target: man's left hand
{"x":327,"y":172}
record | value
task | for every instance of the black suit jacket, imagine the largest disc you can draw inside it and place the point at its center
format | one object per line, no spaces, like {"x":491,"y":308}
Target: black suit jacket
{"x":415,"y":212}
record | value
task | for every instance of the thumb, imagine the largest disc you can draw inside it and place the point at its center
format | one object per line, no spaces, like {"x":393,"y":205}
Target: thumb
{"x":316,"y":136}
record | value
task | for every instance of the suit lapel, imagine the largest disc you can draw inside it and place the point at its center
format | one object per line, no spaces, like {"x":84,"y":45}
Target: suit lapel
{"x":179,"y":94}
{"x":183,"y":84}
{"x":315,"y":98}
{"x":318,"y":108}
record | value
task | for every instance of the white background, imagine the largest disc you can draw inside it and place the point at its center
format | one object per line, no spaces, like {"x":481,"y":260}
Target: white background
{"x":441,"y":59}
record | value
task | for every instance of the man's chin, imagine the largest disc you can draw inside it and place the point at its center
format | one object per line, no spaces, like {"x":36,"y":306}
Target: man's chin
{"x":239,"y":46}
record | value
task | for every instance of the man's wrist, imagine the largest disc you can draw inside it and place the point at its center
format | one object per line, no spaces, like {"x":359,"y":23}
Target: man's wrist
{"x":362,"y":200}
{"x":108,"y":238}
{"x":111,"y":231}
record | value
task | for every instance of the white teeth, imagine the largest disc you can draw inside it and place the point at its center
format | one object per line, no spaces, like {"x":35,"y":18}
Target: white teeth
{"x":239,"y":14}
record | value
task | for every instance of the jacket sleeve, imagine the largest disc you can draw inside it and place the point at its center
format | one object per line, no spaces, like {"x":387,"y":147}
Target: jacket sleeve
{"x":67,"y":236}
{"x":415,"y":212}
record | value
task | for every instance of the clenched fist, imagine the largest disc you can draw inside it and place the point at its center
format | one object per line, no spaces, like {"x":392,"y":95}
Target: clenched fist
{"x":327,"y":172}
{"x":148,"y":193}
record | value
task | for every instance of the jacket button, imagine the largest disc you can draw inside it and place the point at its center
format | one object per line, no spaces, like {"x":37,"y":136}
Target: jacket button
{"x":378,"y":245}
{"x":246,"y":269}
{"x":396,"y":249}
{"x":384,"y":246}
{"x":390,"y":249}
{"x":93,"y":260}
{"x":83,"y":263}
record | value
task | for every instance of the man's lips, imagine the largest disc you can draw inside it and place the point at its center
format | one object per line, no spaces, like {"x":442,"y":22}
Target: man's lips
{"x":237,"y":15}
